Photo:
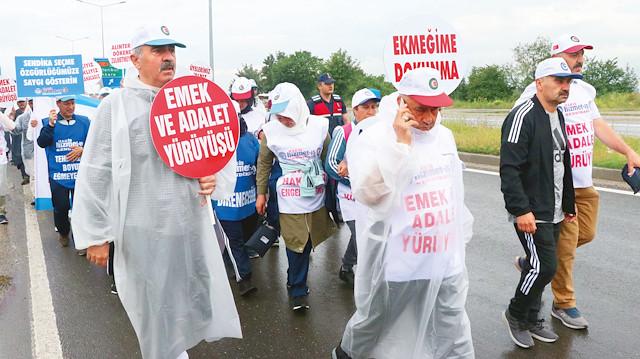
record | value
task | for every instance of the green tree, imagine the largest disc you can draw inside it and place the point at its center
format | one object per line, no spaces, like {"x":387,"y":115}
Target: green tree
{"x":251,"y":72}
{"x":527,"y":56}
{"x":460,"y":93}
{"x":488,"y":82}
{"x":607,"y":76}
{"x":299,"y":68}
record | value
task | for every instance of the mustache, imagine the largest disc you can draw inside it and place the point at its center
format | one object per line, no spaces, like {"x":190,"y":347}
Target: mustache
{"x":167,"y":65}
{"x":578,"y":64}
{"x":564,"y":93}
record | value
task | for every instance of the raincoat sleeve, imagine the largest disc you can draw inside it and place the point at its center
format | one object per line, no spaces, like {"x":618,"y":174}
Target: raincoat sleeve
{"x":22,"y":123}
{"x":6,"y":123}
{"x":379,"y":169}
{"x":95,"y":212}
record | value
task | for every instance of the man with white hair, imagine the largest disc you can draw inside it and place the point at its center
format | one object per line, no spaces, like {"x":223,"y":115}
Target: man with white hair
{"x":167,"y":264}
{"x":365,"y":104}
{"x":411,"y":284}
{"x":583,"y":122}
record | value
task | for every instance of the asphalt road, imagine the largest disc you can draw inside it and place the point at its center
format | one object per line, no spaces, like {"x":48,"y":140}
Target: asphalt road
{"x":90,"y":322}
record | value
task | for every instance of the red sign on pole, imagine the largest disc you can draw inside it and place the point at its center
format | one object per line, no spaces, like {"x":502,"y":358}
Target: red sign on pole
{"x":194,"y":126}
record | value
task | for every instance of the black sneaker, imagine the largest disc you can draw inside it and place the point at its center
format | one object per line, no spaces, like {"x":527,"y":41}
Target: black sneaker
{"x":3,"y":219}
{"x":518,"y":331}
{"x":25,"y":180}
{"x":300,"y":303}
{"x":246,"y":287}
{"x":538,"y":331}
{"x":114,"y":290}
{"x":347,"y":275}
{"x":338,"y":353}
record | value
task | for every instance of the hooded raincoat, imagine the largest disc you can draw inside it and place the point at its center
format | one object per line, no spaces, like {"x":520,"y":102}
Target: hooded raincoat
{"x":412,"y":225}
{"x":167,"y":263}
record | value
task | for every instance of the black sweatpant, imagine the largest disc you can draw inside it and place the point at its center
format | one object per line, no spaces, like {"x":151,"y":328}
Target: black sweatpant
{"x":537,"y":272}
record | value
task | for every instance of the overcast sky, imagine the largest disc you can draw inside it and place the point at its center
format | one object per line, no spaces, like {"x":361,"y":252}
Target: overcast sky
{"x":246,"y":31}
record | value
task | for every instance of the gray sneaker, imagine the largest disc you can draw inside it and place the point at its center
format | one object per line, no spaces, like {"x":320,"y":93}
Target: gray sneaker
{"x":538,"y":331}
{"x":570,"y":317}
{"x":519,"y":332}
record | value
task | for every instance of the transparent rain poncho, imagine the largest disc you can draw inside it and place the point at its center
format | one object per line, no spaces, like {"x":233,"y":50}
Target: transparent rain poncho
{"x":168,"y":266}
{"x":411,"y":280}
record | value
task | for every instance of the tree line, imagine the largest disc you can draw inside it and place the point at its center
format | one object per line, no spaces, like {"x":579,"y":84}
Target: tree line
{"x":489,"y":82}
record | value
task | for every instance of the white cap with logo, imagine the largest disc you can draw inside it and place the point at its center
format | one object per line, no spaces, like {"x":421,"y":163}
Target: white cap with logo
{"x":362,"y":96}
{"x":153,"y":35}
{"x":422,"y":85}
{"x":568,"y":43}
{"x":555,"y":66}
{"x":241,"y":89}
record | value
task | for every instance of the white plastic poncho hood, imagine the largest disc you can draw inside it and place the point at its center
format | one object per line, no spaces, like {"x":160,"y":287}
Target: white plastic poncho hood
{"x":288,"y":95}
{"x":404,"y":299}
{"x":167,"y":263}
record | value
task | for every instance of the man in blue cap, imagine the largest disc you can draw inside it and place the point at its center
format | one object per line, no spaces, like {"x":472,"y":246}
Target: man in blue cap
{"x":63,"y":136}
{"x":328,"y":104}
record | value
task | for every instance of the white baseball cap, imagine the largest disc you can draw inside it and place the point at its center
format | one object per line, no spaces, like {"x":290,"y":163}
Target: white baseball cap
{"x":568,"y":43}
{"x":422,"y":85}
{"x":281,"y":95}
{"x":153,"y":35}
{"x":241,"y":89}
{"x":555,"y":66}
{"x":362,"y":96}
{"x":64,"y":98}
{"x":253,"y":83}
{"x":104,"y":91}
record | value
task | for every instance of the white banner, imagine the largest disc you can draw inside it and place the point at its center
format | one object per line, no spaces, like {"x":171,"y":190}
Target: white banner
{"x":425,"y":41}
{"x":8,"y":92}
{"x":120,"y":55}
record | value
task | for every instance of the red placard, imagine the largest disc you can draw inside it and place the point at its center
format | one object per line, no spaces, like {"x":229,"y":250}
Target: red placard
{"x":194,"y":126}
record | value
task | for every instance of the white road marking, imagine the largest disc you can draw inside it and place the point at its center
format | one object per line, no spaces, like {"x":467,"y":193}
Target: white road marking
{"x":46,"y":339}
{"x":599,"y":189}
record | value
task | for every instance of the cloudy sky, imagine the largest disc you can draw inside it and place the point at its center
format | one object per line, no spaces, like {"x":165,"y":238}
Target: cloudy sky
{"x":246,"y":31}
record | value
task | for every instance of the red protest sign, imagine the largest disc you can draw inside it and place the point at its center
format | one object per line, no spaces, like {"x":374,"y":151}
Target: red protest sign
{"x":194,"y":126}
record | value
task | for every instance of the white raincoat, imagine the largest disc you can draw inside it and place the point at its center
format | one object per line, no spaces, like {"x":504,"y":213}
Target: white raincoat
{"x":412,"y":225}
{"x":167,"y":263}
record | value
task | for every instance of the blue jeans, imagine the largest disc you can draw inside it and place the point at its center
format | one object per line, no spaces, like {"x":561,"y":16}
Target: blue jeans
{"x":273,"y":217}
{"x":239,"y":232}
{"x":298,"y":270}
{"x":350,"y":257}
{"x":61,"y":206}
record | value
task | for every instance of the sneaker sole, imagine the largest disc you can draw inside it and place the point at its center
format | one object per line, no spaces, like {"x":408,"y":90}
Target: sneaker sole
{"x":506,"y":321}
{"x":301,"y":307}
{"x":247,"y":292}
{"x":568,"y":325}
{"x":542,"y":339}
{"x":516,"y":263}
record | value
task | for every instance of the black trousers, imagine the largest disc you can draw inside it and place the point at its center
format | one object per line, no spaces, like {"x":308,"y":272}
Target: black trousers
{"x":61,"y":206}
{"x":537,"y":272}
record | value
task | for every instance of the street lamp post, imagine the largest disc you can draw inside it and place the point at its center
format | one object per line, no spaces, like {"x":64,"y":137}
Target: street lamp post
{"x":72,"y":41}
{"x":102,"y":16}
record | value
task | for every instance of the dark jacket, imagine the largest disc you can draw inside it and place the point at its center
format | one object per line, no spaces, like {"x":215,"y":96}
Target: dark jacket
{"x":526,"y":163}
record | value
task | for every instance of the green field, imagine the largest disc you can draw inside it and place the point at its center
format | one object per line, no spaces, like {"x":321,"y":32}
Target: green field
{"x":485,"y":139}
{"x":608,"y":102}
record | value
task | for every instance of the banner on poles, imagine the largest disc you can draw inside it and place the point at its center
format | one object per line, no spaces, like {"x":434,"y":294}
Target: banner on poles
{"x":91,"y":72}
{"x":49,"y":75}
{"x":120,"y":55}
{"x":8,"y":92}
{"x":425,"y":41}
{"x":201,"y":69}
{"x":194,"y":126}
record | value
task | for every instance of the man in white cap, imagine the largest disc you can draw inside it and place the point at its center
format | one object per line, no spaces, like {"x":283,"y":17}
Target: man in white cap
{"x":535,"y":174}
{"x":104,"y":92}
{"x":242,"y":92}
{"x":167,"y":264}
{"x":411,"y":283}
{"x":63,"y":136}
{"x":583,"y":122}
{"x":365,"y":105}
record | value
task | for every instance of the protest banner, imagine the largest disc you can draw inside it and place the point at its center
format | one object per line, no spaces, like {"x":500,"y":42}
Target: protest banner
{"x":85,"y":106}
{"x":91,"y":72}
{"x":425,"y":41}
{"x":8,"y":92}
{"x":49,"y":75}
{"x":201,"y":69}
{"x":120,"y":55}
{"x":194,"y":126}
